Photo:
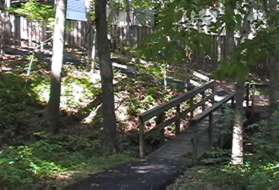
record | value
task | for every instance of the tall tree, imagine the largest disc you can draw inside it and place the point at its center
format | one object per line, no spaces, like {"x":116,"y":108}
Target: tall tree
{"x":237,"y":137}
{"x":2,"y":31}
{"x":273,"y":61}
{"x":56,"y":66}
{"x":7,"y":4}
{"x":237,"y":22}
{"x":109,"y":119}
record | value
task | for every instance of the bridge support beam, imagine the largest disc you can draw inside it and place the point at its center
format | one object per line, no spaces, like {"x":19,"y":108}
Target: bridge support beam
{"x":178,"y":120}
{"x":141,"y":139}
{"x":210,"y":129}
{"x":195,"y":145}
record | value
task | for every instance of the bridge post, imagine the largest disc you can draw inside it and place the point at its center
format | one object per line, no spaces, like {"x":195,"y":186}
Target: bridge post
{"x":191,"y":107}
{"x":247,"y":94}
{"x":141,"y":138}
{"x":195,"y":145}
{"x":232,"y":102}
{"x":203,"y":97}
{"x":177,"y":122}
{"x":213,"y":94}
{"x":210,"y":129}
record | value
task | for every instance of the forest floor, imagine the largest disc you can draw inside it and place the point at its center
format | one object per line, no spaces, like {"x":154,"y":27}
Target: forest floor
{"x":32,"y":157}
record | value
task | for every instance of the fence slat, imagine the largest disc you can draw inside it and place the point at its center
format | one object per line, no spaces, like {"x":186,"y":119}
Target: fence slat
{"x":18,"y":29}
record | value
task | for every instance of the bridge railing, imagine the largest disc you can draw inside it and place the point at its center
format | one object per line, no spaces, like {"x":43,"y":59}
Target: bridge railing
{"x":250,"y":92}
{"x":207,"y":113}
{"x":159,"y":112}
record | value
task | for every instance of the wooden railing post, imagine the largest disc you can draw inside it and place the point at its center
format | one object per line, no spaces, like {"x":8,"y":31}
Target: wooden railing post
{"x":232,"y":102}
{"x":195,"y":145}
{"x":210,"y":129}
{"x":160,"y":118}
{"x":247,"y":94}
{"x":191,"y":107}
{"x":213,"y":94}
{"x":177,"y":122}
{"x":141,"y":138}
{"x":253,"y":96}
{"x":203,"y":97}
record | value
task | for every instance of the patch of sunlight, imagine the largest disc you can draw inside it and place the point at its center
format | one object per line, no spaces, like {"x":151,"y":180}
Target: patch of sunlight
{"x":48,"y":161}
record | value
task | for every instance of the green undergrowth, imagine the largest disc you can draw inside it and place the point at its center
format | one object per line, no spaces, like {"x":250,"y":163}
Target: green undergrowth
{"x":54,"y":162}
{"x":259,"y":172}
{"x":31,"y":158}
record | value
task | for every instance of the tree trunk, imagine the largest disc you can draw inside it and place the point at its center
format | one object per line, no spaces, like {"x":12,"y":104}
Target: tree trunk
{"x":89,"y":36}
{"x":93,"y":50}
{"x":2,"y":31}
{"x":237,"y":140}
{"x":274,"y":85}
{"x":56,"y":66}
{"x":7,"y":4}
{"x":273,"y":61}
{"x":109,"y":119}
{"x":128,"y":20}
{"x":43,"y":35}
{"x":229,"y":40}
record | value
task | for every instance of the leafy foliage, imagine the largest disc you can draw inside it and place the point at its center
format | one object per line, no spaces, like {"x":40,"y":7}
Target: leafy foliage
{"x":35,"y":11}
{"x":46,"y":160}
{"x":260,"y":171}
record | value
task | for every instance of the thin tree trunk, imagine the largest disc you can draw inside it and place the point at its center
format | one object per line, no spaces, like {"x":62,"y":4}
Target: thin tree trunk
{"x":109,"y":119}
{"x":273,"y":61}
{"x":237,"y":139}
{"x":128,"y":20}
{"x":56,"y":66}
{"x":89,"y":38}
{"x":93,"y":53}
{"x":274,"y":85}
{"x":43,"y":35}
{"x":7,"y":4}
{"x":2,"y":31}
{"x":229,"y":40}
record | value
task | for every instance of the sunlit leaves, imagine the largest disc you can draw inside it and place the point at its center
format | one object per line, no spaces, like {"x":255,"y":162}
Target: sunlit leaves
{"x":35,"y":11}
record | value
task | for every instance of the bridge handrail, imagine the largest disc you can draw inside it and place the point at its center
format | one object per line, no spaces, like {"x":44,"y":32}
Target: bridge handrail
{"x":158,"y":110}
{"x":216,"y":106}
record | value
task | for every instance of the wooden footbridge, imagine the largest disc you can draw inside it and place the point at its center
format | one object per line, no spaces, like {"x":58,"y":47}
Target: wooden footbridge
{"x":160,"y":168}
{"x":194,"y":107}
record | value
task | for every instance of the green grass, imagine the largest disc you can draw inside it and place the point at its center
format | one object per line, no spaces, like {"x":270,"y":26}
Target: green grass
{"x":58,"y":161}
{"x":32,"y":158}
{"x":259,"y":172}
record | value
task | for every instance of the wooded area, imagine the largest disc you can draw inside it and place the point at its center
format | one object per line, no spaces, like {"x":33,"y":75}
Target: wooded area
{"x":139,"y":88}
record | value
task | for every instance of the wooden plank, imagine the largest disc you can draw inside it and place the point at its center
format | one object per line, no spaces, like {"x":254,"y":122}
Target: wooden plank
{"x":175,"y":102}
{"x":201,"y":76}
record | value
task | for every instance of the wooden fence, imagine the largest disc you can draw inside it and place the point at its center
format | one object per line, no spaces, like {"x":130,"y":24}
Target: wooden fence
{"x":18,"y":30}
